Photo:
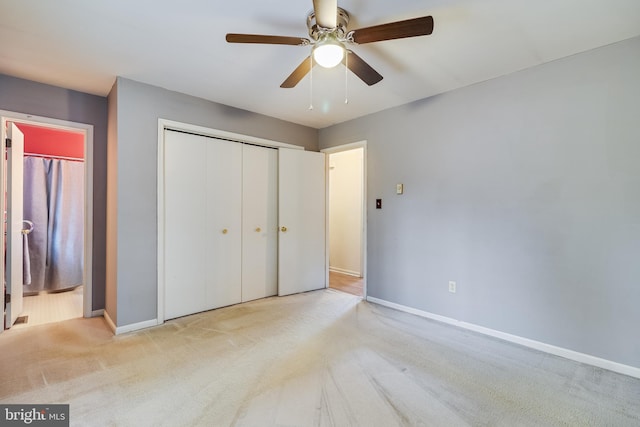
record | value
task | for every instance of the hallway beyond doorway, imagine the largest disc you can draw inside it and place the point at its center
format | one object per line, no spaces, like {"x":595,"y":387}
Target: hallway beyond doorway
{"x":346,"y":283}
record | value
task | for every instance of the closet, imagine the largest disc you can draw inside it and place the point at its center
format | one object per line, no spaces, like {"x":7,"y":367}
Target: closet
{"x":220,"y":223}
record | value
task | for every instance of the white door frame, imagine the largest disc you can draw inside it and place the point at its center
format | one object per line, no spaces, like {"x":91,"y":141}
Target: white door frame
{"x":363,"y":245}
{"x":87,"y":130}
{"x":164,"y":124}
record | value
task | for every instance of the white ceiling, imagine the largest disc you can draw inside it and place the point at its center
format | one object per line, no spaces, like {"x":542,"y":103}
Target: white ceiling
{"x":180,"y":45}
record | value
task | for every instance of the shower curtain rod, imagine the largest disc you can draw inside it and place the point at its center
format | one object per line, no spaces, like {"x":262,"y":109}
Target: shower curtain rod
{"x":46,"y":156}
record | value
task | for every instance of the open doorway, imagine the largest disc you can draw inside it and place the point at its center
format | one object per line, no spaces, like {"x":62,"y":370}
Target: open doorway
{"x":346,"y":218}
{"x":56,"y":171}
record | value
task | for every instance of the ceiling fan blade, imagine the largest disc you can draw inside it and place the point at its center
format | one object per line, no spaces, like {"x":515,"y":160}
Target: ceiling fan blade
{"x":394,"y":30}
{"x":261,"y":39}
{"x":361,"y":69}
{"x":298,"y":74}
{"x":326,"y":12}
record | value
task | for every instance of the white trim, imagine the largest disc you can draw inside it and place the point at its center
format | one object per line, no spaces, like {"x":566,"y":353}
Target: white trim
{"x":117,"y":330}
{"x":160,"y":225}
{"x":136,"y":326}
{"x":216,"y":133}
{"x":97,"y":313}
{"x":164,"y":124}
{"x":345,"y":147}
{"x":87,"y":129}
{"x":343,"y":271}
{"x":526,"y":342}
{"x":363,"y":245}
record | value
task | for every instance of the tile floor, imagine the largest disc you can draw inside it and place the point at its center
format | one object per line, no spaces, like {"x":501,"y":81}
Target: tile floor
{"x":51,"y":307}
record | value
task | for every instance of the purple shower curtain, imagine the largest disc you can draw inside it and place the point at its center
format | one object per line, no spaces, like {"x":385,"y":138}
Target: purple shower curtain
{"x":54,"y":202}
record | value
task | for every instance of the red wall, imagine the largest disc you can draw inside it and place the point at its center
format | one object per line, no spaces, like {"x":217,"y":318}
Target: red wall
{"x":52,"y":142}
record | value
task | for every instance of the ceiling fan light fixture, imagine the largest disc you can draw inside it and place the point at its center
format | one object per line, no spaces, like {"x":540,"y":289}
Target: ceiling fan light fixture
{"x":328,"y":52}
{"x":329,"y":39}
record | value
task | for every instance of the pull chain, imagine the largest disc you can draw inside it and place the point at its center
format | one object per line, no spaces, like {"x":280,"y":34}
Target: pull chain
{"x":346,"y":77}
{"x":310,"y":82}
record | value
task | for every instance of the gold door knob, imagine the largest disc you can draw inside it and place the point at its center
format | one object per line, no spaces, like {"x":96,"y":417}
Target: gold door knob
{"x":225,"y":231}
{"x":258,"y":230}
{"x":283,"y":229}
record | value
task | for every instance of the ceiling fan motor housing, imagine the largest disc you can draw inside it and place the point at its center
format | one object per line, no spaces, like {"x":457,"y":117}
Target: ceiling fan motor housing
{"x":316,"y":32}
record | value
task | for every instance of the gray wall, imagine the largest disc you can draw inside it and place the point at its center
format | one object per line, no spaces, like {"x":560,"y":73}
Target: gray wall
{"x":133,"y":207}
{"x":24,"y":96}
{"x":526,"y":191}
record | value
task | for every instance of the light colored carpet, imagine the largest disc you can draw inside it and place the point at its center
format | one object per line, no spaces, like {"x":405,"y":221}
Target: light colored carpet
{"x":322,"y":358}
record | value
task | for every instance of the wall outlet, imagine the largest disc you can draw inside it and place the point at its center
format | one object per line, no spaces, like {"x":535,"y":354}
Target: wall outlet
{"x":452,"y":287}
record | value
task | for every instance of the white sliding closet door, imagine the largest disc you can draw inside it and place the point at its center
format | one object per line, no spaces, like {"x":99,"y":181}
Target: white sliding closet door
{"x":241,"y":222}
{"x":202,"y":227}
{"x":185,"y":213}
{"x":259,"y":222}
{"x":301,"y":246}
{"x":224,"y":222}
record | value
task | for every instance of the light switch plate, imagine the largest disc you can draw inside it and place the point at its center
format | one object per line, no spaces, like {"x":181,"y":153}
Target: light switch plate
{"x":399,"y":188}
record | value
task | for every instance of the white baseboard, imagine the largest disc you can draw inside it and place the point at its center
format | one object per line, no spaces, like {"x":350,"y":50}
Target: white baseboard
{"x":117,"y":330}
{"x":343,"y":271}
{"x":97,"y":313}
{"x":537,"y":345}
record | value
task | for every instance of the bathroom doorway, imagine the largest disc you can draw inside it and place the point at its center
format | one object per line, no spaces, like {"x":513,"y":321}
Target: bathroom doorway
{"x":57,"y":211}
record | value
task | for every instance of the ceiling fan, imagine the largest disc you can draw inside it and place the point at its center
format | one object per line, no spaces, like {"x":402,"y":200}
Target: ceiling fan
{"x":327,"y":25}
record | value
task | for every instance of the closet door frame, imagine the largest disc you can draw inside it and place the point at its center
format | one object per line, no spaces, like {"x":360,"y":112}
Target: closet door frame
{"x":164,"y":124}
